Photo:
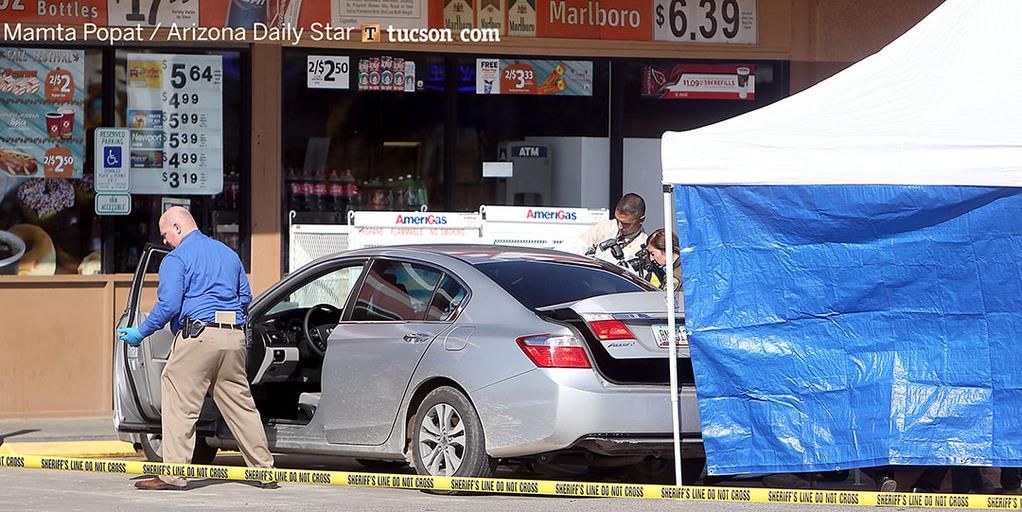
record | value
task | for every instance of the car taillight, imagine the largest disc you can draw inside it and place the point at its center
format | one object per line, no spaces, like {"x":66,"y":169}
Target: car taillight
{"x":606,"y":328}
{"x":554,"y":351}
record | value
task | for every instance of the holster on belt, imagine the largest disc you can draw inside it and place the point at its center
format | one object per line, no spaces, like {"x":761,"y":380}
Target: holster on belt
{"x":192,"y":328}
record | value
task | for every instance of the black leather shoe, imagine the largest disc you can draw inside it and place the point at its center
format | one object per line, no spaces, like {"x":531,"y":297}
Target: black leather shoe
{"x":155,"y":484}
{"x":267,"y":485}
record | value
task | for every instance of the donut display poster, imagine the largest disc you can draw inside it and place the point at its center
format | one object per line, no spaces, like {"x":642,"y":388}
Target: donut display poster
{"x":175,"y":117}
{"x":42,"y":100}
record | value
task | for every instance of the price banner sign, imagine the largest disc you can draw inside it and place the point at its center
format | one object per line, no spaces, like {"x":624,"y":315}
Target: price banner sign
{"x":175,"y":116}
{"x":700,"y":81}
{"x":534,"y":77}
{"x":327,"y":72}
{"x":42,"y":111}
{"x":705,"y":21}
{"x":152,"y":12}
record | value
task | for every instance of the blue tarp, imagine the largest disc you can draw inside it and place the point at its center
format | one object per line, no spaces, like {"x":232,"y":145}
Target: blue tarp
{"x":853,"y":326}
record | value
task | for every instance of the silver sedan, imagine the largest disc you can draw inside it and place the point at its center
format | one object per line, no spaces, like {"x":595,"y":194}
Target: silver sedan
{"x":448,"y":357}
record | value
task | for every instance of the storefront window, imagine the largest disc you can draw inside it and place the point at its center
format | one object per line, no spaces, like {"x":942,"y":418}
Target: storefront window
{"x":560,"y":135}
{"x":375,"y":145}
{"x":47,"y":223}
{"x":223,"y":216}
{"x":658,"y":99}
{"x":674,"y":95}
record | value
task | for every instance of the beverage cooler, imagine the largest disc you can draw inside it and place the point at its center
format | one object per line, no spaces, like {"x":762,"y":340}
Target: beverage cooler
{"x":325,"y":196}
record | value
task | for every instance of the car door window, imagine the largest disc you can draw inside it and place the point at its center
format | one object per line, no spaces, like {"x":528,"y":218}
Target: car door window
{"x":446,"y":301}
{"x":395,"y":291}
{"x":153,"y":257}
{"x":332,"y":288}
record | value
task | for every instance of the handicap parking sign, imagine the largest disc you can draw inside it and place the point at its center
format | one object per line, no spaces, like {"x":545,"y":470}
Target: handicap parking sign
{"x":112,"y":156}
{"x":110,"y":167}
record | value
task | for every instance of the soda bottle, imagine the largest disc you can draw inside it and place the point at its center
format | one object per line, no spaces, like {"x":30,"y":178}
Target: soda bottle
{"x":297,"y":190}
{"x":421,"y":197}
{"x":400,"y":198}
{"x":245,"y":13}
{"x":319,"y":192}
{"x":377,"y":195}
{"x":408,"y":192}
{"x":350,"y":190}
{"x":336,"y":192}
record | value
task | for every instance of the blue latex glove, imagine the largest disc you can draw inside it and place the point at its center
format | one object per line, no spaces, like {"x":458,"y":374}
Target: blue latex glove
{"x":130,"y":335}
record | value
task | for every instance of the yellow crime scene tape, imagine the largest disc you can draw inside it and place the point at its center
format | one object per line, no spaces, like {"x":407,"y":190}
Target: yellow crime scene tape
{"x":522,"y":487}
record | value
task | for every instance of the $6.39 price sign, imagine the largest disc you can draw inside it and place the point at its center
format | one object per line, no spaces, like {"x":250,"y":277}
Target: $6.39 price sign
{"x":705,"y":21}
{"x":175,"y":112}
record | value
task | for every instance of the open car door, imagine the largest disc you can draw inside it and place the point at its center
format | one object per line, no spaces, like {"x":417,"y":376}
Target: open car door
{"x":137,"y":370}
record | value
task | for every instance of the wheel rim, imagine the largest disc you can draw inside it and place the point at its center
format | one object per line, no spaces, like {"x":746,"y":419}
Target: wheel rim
{"x":442,"y":440}
{"x":156,"y":443}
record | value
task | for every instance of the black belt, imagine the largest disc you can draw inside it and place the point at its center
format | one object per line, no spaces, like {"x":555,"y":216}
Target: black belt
{"x":193,"y":328}
{"x":225,"y":326}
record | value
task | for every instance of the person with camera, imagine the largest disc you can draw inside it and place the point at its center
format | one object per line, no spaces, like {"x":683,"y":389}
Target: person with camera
{"x":615,"y":240}
{"x":656,"y":263}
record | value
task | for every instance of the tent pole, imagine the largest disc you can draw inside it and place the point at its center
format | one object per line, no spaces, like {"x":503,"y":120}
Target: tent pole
{"x":671,"y":329}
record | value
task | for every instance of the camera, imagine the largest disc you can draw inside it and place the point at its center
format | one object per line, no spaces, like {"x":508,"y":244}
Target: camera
{"x":615,"y":248}
{"x":644,"y":265}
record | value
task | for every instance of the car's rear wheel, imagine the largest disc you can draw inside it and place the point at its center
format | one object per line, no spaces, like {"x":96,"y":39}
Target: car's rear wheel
{"x":152,"y":447}
{"x":448,"y":437}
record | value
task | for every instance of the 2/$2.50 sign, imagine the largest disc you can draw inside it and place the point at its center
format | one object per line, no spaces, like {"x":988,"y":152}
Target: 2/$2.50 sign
{"x":705,"y":21}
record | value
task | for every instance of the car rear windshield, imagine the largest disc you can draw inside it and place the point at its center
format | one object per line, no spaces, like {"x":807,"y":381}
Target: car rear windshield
{"x":537,"y":284}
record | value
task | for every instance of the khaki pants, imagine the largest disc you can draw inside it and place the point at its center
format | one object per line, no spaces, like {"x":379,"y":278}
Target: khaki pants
{"x":215,"y":361}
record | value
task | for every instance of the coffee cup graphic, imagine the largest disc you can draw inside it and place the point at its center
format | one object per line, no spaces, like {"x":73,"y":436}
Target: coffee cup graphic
{"x":67,"y":122}
{"x":744,"y":74}
{"x":53,"y":124}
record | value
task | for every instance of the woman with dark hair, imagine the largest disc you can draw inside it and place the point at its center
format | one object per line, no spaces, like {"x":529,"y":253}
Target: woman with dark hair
{"x":657,"y":247}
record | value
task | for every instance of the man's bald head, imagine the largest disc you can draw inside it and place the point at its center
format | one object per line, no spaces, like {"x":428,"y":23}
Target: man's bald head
{"x":175,"y":224}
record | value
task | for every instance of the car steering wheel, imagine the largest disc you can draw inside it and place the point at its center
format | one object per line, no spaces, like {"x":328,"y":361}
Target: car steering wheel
{"x":318,"y":335}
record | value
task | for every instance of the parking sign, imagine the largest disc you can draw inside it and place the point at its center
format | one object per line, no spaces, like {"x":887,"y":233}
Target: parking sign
{"x":110,"y":168}
{"x":112,"y":156}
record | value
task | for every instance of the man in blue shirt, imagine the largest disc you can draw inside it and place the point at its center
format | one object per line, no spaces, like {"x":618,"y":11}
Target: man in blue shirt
{"x":203,"y":294}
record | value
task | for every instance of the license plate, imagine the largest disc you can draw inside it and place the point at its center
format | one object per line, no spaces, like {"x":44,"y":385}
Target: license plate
{"x":660,"y":332}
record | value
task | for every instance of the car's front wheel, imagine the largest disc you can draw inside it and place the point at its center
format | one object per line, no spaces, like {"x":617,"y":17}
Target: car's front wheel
{"x":152,"y":447}
{"x":448,"y":438}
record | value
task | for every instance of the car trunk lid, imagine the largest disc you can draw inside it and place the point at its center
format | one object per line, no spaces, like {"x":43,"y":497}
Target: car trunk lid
{"x":627,"y":335}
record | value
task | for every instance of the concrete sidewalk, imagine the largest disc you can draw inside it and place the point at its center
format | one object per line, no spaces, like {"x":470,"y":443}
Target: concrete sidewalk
{"x":64,"y":437}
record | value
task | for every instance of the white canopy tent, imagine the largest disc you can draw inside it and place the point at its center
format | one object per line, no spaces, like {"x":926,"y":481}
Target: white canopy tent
{"x":941,"y":105}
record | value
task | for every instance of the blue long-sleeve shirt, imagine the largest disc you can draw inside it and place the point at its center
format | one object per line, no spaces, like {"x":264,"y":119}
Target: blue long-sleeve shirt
{"x":198,"y":278}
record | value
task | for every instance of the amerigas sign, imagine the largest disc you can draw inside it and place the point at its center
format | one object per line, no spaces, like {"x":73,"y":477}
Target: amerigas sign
{"x":421,"y":219}
{"x":551,"y":215}
{"x":415,"y":220}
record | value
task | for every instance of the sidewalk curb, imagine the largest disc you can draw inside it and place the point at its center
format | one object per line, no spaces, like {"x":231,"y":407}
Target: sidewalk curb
{"x":70,"y":449}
